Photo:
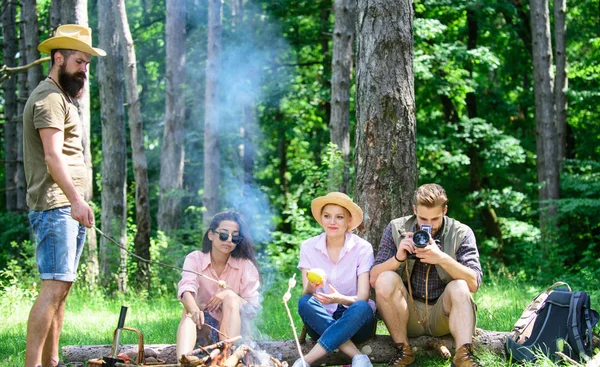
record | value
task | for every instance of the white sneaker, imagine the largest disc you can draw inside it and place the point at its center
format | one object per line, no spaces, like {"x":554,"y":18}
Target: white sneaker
{"x":299,"y":363}
{"x":361,"y":360}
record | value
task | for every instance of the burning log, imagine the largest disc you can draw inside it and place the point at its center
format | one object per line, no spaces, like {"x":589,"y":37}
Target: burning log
{"x":235,"y":357}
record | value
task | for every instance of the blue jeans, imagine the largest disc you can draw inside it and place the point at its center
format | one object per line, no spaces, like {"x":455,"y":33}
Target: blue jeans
{"x":355,"y":322}
{"x":59,"y":243}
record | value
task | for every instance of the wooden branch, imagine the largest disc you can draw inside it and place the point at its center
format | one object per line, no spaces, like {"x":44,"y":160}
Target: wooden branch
{"x":235,"y":357}
{"x":7,"y":72}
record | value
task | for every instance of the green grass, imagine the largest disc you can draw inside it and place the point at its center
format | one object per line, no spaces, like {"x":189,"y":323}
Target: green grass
{"x":90,"y":319}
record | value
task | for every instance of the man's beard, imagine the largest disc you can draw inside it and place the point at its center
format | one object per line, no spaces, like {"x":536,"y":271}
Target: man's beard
{"x":72,"y":84}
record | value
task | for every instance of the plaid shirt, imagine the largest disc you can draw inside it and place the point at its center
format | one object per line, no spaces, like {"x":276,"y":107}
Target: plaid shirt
{"x":467,"y":255}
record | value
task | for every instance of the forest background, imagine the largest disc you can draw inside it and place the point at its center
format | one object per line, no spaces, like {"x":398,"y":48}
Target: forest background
{"x":203,"y":106}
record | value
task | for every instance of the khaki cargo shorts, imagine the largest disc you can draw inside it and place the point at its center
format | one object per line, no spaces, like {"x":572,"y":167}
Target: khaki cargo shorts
{"x":437,"y":322}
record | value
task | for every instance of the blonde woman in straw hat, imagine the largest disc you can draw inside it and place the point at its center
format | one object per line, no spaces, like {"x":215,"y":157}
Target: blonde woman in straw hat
{"x":56,"y":178}
{"x":335,"y":265}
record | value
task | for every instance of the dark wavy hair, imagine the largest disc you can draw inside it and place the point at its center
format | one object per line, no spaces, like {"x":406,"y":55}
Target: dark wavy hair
{"x":245,"y":249}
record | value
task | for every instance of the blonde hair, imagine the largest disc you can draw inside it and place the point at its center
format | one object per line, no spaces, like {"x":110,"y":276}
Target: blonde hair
{"x":431,"y":196}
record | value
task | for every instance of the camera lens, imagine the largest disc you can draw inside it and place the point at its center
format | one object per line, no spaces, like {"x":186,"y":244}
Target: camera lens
{"x":421,"y":238}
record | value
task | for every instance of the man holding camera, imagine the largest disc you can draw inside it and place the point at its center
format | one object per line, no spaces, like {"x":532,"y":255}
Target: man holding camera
{"x":426,"y":268}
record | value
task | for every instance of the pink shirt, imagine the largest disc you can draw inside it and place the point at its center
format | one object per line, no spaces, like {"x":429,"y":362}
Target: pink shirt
{"x":240,"y":274}
{"x":355,"y":258}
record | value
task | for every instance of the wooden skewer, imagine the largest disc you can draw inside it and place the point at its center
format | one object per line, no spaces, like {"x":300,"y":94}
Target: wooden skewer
{"x":219,"y":345}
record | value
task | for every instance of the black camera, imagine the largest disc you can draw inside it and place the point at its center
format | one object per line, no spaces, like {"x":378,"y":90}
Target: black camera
{"x":422,"y":237}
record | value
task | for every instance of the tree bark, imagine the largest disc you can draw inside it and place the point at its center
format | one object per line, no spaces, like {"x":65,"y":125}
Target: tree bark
{"x":54,"y":14}
{"x":32,"y":39}
{"x":381,"y":346}
{"x":114,"y":148}
{"x":138,"y":152}
{"x":386,"y":163}
{"x":341,"y":70}
{"x":547,"y":159}
{"x":75,"y":12}
{"x":23,"y":94}
{"x":172,"y":153}
{"x":9,"y":50}
{"x":561,"y":83}
{"x":212,"y":156}
{"x":476,"y":182}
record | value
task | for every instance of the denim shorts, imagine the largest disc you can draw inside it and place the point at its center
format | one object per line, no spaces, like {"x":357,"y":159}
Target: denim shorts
{"x":59,"y":243}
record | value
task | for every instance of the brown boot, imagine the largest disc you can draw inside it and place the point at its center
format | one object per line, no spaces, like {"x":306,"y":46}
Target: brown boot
{"x":464,"y":357}
{"x":404,"y":356}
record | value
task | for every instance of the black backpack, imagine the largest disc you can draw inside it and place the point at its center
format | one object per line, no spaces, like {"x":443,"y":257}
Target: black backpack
{"x":564,"y":323}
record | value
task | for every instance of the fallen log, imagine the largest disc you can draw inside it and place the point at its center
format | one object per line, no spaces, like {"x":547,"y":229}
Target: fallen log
{"x":379,"y":348}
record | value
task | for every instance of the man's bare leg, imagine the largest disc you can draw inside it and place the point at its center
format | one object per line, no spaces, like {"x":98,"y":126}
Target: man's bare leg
{"x":43,"y":315}
{"x":457,"y":304}
{"x":392,"y":305}
{"x":50,"y":351}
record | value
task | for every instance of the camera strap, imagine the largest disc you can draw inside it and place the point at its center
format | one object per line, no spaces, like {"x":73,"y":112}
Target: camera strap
{"x":412,"y":301}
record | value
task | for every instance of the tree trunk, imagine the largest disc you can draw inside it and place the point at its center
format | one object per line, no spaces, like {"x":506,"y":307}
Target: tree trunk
{"x":248,"y":153}
{"x":136,"y":133}
{"x":341,"y":70}
{"x":488,"y":214}
{"x":75,"y":12}
{"x":562,"y":81}
{"x":212,"y":156}
{"x":32,"y":39}
{"x":547,"y":160}
{"x":386,"y":163}
{"x":172,"y":153}
{"x":9,"y":50}
{"x":381,"y":347}
{"x":23,"y":94}
{"x":114,"y":147}
{"x":54,"y":15}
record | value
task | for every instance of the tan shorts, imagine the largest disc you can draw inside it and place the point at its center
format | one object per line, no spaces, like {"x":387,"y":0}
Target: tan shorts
{"x":437,"y":322}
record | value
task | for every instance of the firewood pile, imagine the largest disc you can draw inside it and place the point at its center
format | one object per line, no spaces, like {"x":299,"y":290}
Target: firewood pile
{"x":227,"y":354}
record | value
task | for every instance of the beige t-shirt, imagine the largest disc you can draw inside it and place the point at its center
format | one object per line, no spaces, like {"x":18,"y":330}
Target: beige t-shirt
{"x":49,"y":107}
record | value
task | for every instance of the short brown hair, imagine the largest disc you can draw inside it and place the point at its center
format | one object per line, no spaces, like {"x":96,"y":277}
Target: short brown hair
{"x":66,"y":54}
{"x":431,"y":196}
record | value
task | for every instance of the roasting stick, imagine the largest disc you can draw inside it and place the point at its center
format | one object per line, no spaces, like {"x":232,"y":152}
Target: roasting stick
{"x":221,"y":283}
{"x":286,"y":298}
{"x":217,"y":330}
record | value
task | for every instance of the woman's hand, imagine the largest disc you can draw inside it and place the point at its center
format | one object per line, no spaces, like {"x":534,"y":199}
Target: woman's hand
{"x":215,"y":302}
{"x":197,"y":316}
{"x":330,"y":298}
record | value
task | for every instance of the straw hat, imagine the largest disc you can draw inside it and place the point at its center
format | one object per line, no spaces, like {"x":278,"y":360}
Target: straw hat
{"x":342,"y":200}
{"x":71,"y":37}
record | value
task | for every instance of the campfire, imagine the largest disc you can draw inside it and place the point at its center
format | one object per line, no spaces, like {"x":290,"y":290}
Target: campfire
{"x":225,"y":354}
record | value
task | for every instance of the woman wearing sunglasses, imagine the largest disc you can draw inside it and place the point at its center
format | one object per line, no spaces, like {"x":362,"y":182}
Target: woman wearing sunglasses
{"x":227,"y":256}
{"x":335,"y":305}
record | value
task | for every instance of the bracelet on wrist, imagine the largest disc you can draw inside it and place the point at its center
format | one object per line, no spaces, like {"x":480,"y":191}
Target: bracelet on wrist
{"x":398,"y":260}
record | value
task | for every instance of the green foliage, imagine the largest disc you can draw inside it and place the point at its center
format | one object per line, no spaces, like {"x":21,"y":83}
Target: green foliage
{"x":15,"y":230}
{"x":283,"y":250}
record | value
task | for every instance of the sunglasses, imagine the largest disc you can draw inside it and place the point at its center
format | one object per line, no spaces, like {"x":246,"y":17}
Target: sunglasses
{"x":224,"y":236}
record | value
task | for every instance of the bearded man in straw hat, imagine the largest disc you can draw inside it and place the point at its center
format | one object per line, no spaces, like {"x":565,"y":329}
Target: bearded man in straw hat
{"x":56,"y":179}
